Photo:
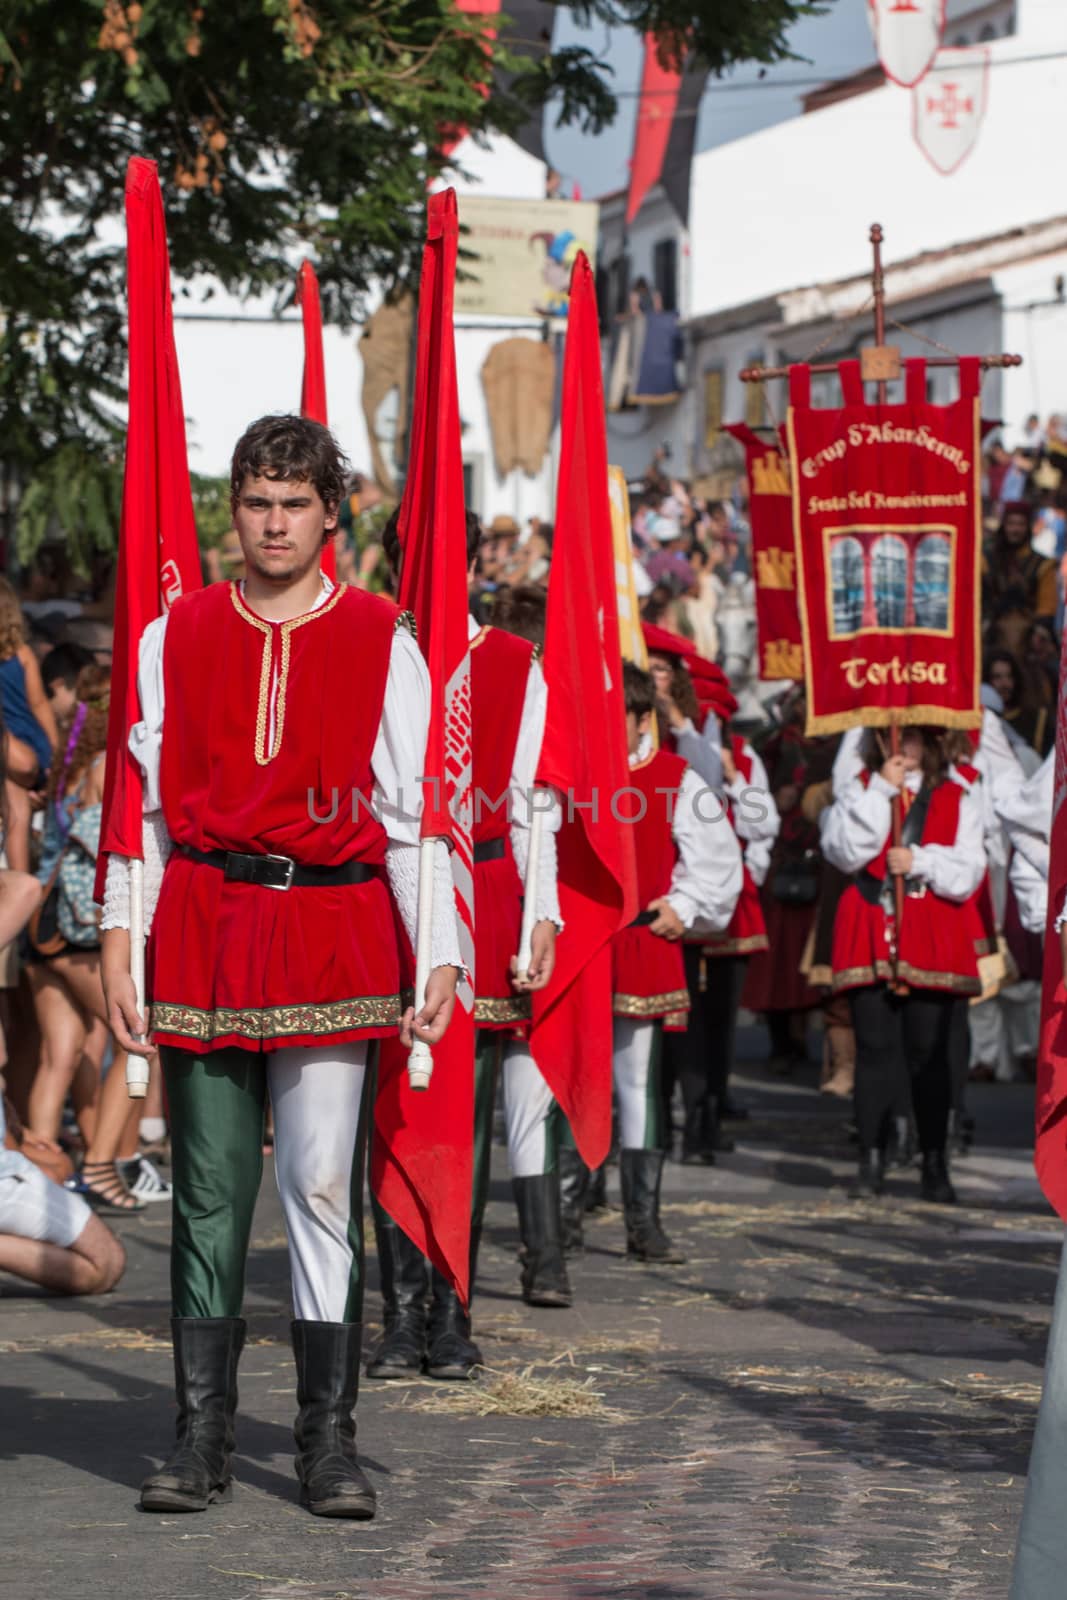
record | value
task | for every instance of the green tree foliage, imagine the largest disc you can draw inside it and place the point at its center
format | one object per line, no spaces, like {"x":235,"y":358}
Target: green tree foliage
{"x":281,"y":127}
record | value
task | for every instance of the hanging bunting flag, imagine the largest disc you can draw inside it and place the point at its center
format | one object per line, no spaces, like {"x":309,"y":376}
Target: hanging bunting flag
{"x":907,"y":35}
{"x":770,"y":515}
{"x":949,"y":105}
{"x":887,"y":511}
{"x":660,"y":88}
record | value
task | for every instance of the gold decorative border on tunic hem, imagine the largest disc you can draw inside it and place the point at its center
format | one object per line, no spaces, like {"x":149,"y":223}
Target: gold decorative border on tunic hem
{"x":884,"y":972}
{"x":487,"y":1009}
{"x":649,"y":1005}
{"x":276,"y":1022}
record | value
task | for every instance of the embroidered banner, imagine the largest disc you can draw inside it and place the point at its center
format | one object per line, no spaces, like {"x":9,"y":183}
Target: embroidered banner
{"x":887,"y":528}
{"x":770,"y":515}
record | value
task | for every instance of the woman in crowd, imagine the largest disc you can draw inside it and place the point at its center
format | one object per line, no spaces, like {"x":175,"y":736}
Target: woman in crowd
{"x":905,"y":983}
{"x":30,"y":734}
{"x":65,"y":954}
{"x":1027,"y":714}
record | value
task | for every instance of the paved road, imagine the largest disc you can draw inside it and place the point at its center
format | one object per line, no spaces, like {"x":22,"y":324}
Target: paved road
{"x":828,"y":1399}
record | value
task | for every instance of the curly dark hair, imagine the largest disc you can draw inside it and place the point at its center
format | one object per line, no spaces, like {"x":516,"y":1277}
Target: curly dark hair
{"x":290,"y":449}
{"x":639,"y":691}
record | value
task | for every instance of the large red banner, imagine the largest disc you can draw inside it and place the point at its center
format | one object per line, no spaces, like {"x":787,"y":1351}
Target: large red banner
{"x":887,"y":527}
{"x":774,"y":562}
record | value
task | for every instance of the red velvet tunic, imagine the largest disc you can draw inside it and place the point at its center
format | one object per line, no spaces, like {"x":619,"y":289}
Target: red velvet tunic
{"x":937,"y":936}
{"x":648,"y":976}
{"x":242,"y":964}
{"x":747,"y":931}
{"x":500,"y":668}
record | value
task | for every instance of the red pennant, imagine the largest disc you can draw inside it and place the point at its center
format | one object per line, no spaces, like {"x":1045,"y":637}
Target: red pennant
{"x":422,"y":1164}
{"x":584,"y":749}
{"x":660,"y":88}
{"x":313,"y":387}
{"x":159,"y":557}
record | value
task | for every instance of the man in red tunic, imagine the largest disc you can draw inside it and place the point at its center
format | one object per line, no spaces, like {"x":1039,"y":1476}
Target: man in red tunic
{"x":689,"y":878}
{"x":283,"y":730}
{"x":426,"y":1326}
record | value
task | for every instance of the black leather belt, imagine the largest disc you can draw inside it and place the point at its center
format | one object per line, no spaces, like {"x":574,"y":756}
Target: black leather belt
{"x":643,"y":919}
{"x":870,"y":887}
{"x":490,"y":850}
{"x":280,"y":872}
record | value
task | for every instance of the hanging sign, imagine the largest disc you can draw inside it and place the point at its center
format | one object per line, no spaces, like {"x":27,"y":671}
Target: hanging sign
{"x":907,"y":35}
{"x":770,"y":515}
{"x":948,"y":107}
{"x":887,"y":529}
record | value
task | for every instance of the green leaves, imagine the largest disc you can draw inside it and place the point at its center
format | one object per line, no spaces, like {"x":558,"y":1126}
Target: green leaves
{"x":281,"y":128}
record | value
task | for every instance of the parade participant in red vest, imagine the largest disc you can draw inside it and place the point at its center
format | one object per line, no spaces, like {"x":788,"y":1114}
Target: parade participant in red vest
{"x":282,"y":818}
{"x":905,"y":987}
{"x":688,"y":875}
{"x":426,"y":1328}
{"x":716,"y":966}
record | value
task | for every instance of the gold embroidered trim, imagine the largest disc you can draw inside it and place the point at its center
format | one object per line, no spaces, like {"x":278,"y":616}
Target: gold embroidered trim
{"x":736,"y":947}
{"x":264,"y":759}
{"x":480,"y":637}
{"x":883,"y":972}
{"x":676,"y":1020}
{"x":406,"y":619}
{"x":517,"y":1009}
{"x":650,"y":1005}
{"x":276,"y":1022}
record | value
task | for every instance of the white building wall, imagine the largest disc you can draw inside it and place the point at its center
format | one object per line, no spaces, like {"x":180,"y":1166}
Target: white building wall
{"x":239,"y":362}
{"x":1035,"y":326}
{"x":793,"y":203}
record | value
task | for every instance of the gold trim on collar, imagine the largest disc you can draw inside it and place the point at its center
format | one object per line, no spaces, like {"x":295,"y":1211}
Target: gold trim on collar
{"x":286,"y":629}
{"x":480,"y":637}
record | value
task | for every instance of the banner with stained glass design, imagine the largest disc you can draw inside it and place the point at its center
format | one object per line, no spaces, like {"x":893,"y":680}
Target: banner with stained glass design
{"x":887,"y":533}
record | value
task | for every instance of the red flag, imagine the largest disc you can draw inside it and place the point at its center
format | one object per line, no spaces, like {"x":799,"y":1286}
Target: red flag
{"x":1050,"y":1155}
{"x":422,"y":1167}
{"x":159,"y":558}
{"x":584,"y":749}
{"x":313,"y":387}
{"x":660,"y":88}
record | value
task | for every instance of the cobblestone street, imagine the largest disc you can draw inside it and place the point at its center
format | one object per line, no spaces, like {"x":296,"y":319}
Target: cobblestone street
{"x":829,"y":1399}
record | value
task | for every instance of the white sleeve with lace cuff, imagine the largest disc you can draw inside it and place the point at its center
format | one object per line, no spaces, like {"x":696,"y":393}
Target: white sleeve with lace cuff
{"x":402,"y":866}
{"x":157,"y":848}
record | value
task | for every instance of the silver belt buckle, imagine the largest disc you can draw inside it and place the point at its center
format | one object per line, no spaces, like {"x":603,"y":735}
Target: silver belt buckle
{"x":287,"y":876}
{"x":914,"y":888}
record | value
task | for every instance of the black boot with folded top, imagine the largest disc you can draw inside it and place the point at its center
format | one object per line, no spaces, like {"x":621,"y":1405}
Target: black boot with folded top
{"x":197,"y":1472}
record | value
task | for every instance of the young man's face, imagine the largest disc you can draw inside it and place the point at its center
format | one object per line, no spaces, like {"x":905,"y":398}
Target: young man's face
{"x":281,"y":525}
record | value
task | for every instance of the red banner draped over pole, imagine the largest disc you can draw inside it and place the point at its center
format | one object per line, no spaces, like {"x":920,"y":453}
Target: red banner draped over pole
{"x":774,"y":562}
{"x":422,"y":1163}
{"x":1050,"y":1153}
{"x":660,"y":88}
{"x":313,"y":386}
{"x":159,"y":557}
{"x":584,"y":751}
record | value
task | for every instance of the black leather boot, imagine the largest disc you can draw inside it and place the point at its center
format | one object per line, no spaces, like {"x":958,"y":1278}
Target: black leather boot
{"x":870,"y":1179}
{"x":698,"y":1139}
{"x":544,"y":1272}
{"x":451,"y":1352}
{"x":327,"y":1385}
{"x":573,"y":1183}
{"x":405,"y":1275}
{"x":936,"y":1183}
{"x":596,"y":1192}
{"x":206,"y":1353}
{"x":640,"y":1173}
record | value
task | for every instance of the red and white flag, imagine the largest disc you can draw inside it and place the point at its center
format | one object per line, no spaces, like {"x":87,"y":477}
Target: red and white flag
{"x":907,"y":35}
{"x":159,"y":557}
{"x":313,"y":386}
{"x":949,"y":105}
{"x":1050,"y":1152}
{"x":583,"y":754}
{"x":422,"y":1162}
